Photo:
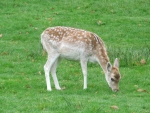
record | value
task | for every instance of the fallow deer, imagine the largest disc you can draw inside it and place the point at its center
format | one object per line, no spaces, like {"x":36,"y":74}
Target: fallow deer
{"x":76,"y":44}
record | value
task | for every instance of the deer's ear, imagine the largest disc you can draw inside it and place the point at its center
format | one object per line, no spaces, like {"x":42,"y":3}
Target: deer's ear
{"x":116,"y":63}
{"x":109,"y":67}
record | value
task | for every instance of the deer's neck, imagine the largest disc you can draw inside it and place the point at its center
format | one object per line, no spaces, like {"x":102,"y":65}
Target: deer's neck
{"x":103,"y":64}
{"x":103,"y":58}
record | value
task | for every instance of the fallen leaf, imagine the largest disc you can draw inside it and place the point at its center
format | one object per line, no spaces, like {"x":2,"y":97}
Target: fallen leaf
{"x":31,"y":25}
{"x":143,"y":61}
{"x":1,"y":35}
{"x":50,"y":19}
{"x":35,"y":28}
{"x":78,"y":8}
{"x":4,"y":53}
{"x":99,"y":22}
{"x":112,"y":11}
{"x":32,"y":60}
{"x":136,"y":86}
{"x":114,"y":95}
{"x":27,"y":86}
{"x":139,"y":24}
{"x":96,"y":92}
{"x":39,"y":73}
{"x":20,"y":32}
{"x":63,"y":88}
{"x":141,"y":90}
{"x":52,"y":8}
{"x":56,"y":13}
{"x":114,"y":107}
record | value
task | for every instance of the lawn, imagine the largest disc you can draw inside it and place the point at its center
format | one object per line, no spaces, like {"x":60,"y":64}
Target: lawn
{"x":124,"y":25}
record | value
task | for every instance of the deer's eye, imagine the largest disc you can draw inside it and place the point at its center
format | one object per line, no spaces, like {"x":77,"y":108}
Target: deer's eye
{"x":112,"y":79}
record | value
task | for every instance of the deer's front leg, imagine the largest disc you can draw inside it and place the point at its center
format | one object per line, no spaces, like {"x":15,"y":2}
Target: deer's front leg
{"x":47,"y":67}
{"x":84,"y":71}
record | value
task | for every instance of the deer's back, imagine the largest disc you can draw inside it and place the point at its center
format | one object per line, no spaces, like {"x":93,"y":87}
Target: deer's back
{"x":70,"y":42}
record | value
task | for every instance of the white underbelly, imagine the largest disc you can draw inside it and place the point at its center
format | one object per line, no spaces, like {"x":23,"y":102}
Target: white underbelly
{"x":69,"y":53}
{"x":75,"y":52}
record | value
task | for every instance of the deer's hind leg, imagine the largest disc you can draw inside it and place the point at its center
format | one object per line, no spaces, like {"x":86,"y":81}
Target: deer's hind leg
{"x":53,"y":72}
{"x":84,"y":71}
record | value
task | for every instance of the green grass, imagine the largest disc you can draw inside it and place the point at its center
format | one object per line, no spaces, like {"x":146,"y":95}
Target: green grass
{"x":123,"y":25}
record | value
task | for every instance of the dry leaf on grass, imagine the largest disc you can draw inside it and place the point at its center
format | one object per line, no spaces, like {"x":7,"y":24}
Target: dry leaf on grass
{"x":1,"y":35}
{"x":63,"y":88}
{"x":143,"y":61}
{"x":50,"y":19}
{"x":114,"y":107}
{"x":39,"y":73}
{"x":99,"y":22}
{"x":114,"y":95}
{"x":136,"y":86}
{"x":35,"y":28}
{"x":141,"y":90}
{"x":27,"y":86}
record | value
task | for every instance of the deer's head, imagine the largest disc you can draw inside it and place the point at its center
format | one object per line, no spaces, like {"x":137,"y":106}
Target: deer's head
{"x":113,"y":75}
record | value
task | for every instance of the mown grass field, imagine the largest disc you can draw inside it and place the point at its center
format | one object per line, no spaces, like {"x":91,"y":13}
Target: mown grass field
{"x":124,"y":25}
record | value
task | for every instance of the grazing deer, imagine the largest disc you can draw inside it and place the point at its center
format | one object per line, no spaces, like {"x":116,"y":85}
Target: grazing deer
{"x":76,"y":44}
